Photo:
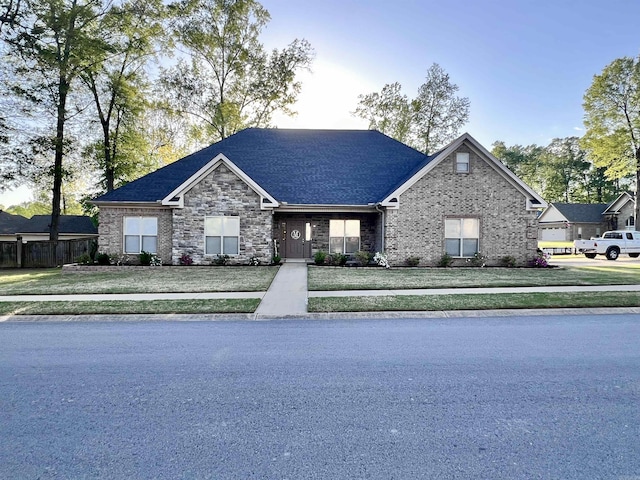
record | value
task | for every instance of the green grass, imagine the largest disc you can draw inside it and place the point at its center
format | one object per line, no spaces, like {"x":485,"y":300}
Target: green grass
{"x":130,"y":307}
{"x":340,"y":278}
{"x":474,"y":302}
{"x":157,"y":280}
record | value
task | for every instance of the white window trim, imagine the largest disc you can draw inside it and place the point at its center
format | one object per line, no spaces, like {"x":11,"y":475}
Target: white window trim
{"x":462,"y":238}
{"x":344,"y":237}
{"x":124,"y":234}
{"x":221,"y":237}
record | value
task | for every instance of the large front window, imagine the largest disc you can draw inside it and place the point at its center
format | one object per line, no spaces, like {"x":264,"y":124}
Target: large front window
{"x":140,"y":234}
{"x":461,"y":236}
{"x":221,"y":235}
{"x":344,"y":236}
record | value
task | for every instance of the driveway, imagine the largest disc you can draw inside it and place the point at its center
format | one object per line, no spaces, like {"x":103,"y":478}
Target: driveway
{"x":600,"y":261}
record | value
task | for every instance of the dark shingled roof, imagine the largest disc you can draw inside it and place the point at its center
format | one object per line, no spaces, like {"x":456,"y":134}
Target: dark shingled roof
{"x":12,"y":224}
{"x":582,"y":212}
{"x":330,"y":167}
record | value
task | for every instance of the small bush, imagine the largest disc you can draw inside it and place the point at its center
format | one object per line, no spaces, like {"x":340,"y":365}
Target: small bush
{"x":508,"y":261}
{"x":185,"y":259}
{"x":363,"y":258}
{"x":478,"y":260}
{"x":255,"y":261}
{"x":103,"y":259}
{"x":320,"y":257}
{"x":412,"y":261}
{"x":381,"y":259}
{"x":145,"y":258}
{"x":338,"y":259}
{"x":84,"y":259}
{"x":275,"y":260}
{"x":446,"y":260}
{"x":221,"y":260}
{"x":541,"y":260}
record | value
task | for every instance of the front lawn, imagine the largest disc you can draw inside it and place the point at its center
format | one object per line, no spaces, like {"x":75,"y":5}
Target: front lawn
{"x":474,"y":302}
{"x":343,"y":278}
{"x":154,"y":280}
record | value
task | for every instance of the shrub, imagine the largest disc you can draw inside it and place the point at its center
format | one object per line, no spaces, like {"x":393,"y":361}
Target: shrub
{"x":338,"y":259}
{"x":255,"y":261}
{"x":145,"y":258}
{"x":478,"y":260}
{"x":508,"y":261}
{"x":275,"y":260}
{"x":445,"y":260}
{"x":103,"y":259}
{"x":221,"y":260}
{"x":84,"y":259}
{"x":381,"y":259}
{"x":320,"y":257}
{"x":363,"y":258}
{"x":541,"y":260}
{"x":185,"y":259}
{"x":412,"y":261}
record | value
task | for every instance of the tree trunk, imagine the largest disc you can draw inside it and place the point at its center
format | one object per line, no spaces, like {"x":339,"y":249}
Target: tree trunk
{"x":57,"y":164}
{"x":636,"y":212}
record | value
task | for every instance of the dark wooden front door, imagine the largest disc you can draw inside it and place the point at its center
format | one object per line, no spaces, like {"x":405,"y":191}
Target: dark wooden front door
{"x":295,"y":239}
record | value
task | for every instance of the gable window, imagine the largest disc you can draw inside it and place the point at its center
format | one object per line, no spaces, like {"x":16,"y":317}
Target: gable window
{"x":461,"y":236}
{"x":344,"y":236}
{"x":462,"y":162}
{"x":221,"y":235}
{"x":140,"y":234}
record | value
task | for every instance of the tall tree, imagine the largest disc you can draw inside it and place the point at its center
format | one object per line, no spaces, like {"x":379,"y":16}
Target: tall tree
{"x":524,"y":161}
{"x":564,"y":166}
{"x":117,"y":85}
{"x":56,"y":40}
{"x":228,"y":81}
{"x":428,"y":122}
{"x":612,"y":119}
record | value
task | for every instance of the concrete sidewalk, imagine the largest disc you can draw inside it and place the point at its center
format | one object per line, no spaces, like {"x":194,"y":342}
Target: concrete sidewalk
{"x":287,"y":294}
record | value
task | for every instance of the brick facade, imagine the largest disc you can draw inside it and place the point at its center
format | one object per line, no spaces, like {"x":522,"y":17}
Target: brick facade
{"x":223,"y":193}
{"x":110,"y":230}
{"x":416,"y":228}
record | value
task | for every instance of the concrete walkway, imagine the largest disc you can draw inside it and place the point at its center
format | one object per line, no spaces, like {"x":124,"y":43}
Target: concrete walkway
{"x":287,"y":295}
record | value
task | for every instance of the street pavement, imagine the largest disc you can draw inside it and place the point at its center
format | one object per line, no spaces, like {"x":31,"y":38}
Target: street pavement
{"x":552,"y":397}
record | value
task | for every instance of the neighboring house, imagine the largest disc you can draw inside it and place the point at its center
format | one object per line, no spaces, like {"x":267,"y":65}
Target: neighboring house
{"x":37,"y":227}
{"x":262,"y":192}
{"x":566,"y":222}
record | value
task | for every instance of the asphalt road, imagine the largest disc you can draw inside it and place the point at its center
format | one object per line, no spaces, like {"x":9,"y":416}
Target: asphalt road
{"x":491,"y":398}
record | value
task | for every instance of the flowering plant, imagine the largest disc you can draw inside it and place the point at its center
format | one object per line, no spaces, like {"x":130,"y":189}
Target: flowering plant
{"x":381,"y":259}
{"x":541,"y":260}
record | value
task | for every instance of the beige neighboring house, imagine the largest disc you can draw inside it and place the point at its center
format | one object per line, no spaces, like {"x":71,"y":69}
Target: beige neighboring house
{"x":37,"y":227}
{"x":619,"y":215}
{"x":263,"y":192}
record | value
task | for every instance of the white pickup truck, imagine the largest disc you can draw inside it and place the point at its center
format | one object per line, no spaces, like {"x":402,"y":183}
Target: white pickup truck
{"x":611,"y":244}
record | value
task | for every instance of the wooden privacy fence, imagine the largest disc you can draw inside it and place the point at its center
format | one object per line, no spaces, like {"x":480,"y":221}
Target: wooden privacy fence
{"x":42,"y":253}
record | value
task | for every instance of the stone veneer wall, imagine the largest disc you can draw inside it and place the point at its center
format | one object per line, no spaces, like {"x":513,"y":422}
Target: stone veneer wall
{"x":222,"y":192}
{"x":417,"y":227}
{"x":110,"y":239}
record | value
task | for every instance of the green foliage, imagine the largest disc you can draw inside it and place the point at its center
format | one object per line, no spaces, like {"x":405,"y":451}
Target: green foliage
{"x":229,"y":82}
{"x":320,"y":257}
{"x":508,"y":261}
{"x":84,"y":259}
{"x":337,"y":259}
{"x":446,"y":260}
{"x":427,"y":122}
{"x":221,"y":260}
{"x":363,"y":258}
{"x":145,"y":258}
{"x":412,"y":261}
{"x":275,"y":260}
{"x":478,"y":260}
{"x":103,"y":259}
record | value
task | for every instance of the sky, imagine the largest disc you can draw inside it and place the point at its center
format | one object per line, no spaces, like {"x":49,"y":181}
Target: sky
{"x":524,"y":64}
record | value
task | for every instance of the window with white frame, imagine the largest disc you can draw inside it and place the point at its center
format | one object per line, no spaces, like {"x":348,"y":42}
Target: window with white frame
{"x":462,"y":162}
{"x":344,"y":236}
{"x":221,"y":235}
{"x":461,"y":236}
{"x":140,"y":234}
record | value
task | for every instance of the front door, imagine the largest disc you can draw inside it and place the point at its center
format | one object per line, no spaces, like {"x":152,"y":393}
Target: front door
{"x":295,"y":239}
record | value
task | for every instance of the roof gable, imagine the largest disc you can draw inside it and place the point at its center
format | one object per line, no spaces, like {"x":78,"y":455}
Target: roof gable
{"x":10,"y":224}
{"x":574,"y":212}
{"x":617,"y":205}
{"x":305,"y":167}
{"x":534,"y":201}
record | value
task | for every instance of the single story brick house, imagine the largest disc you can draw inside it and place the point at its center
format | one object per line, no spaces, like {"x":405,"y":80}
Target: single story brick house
{"x":292,"y":193}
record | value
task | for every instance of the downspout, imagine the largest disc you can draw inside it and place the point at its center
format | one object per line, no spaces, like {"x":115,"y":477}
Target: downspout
{"x":382,"y":224}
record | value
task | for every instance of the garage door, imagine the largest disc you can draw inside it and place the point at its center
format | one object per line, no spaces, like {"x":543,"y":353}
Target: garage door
{"x":553,"y":234}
